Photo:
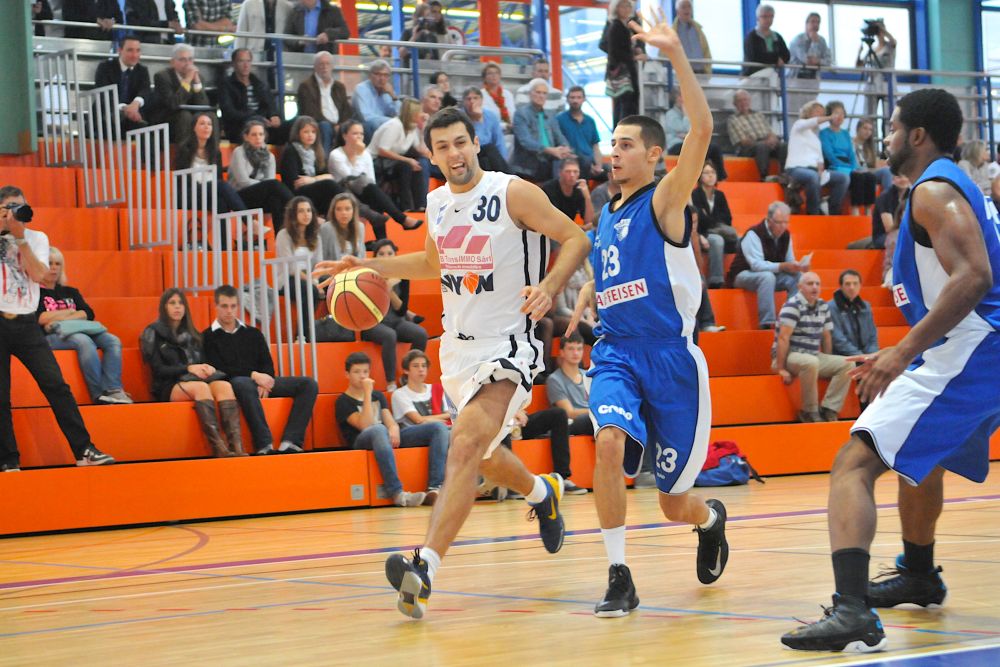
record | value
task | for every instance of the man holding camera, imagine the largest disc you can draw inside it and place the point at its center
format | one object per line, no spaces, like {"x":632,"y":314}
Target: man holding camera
{"x":24,"y":260}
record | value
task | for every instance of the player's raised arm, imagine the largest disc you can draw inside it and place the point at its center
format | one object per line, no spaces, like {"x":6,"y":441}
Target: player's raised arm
{"x":675,"y":189}
{"x":411,"y":266}
{"x":529,"y":207}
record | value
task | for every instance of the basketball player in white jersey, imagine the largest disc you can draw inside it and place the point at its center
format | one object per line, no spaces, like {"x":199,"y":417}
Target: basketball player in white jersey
{"x":487,"y":240}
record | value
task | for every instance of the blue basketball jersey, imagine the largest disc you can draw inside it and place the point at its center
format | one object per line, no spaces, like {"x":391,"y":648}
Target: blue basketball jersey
{"x":918,"y":276}
{"x":645,"y":285}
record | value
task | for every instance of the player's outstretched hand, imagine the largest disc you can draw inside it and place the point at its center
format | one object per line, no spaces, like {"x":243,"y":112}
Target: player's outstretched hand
{"x":877,"y":371}
{"x":327,"y":270}
{"x":584,"y":299}
{"x":658,"y":33}
{"x":537,"y":302}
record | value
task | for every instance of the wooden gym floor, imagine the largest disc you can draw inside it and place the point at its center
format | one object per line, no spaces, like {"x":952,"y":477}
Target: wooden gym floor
{"x":309,"y":589}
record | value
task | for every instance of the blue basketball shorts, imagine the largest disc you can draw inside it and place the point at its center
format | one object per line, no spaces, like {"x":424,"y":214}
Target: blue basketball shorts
{"x":656,"y":391}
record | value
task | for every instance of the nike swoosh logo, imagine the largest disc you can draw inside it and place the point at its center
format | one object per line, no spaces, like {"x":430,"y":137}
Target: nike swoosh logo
{"x":717,"y":570}
{"x":458,"y":210}
{"x":552,"y":504}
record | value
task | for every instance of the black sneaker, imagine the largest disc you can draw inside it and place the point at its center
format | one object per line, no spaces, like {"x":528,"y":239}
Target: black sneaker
{"x":620,"y":598}
{"x":550,"y":521}
{"x":848,"y":626}
{"x":10,"y":467}
{"x":92,"y":456}
{"x":900,"y":585}
{"x":410,"y":578}
{"x":713,"y":549}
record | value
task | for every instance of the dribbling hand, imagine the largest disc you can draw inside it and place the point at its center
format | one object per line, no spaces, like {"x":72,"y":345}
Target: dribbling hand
{"x":327,"y":270}
{"x":584,"y":300}
{"x":877,"y":371}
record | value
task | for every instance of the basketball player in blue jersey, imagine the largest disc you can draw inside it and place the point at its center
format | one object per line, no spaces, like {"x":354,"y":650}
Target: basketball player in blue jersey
{"x":933,"y":396}
{"x":487,"y":242}
{"x":649,"y":395}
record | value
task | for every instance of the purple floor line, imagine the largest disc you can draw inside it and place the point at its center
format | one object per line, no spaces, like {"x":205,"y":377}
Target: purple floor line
{"x":367,"y":552}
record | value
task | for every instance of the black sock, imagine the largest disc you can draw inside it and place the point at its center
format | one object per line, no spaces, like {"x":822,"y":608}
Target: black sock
{"x":918,"y":557}
{"x":850,"y":572}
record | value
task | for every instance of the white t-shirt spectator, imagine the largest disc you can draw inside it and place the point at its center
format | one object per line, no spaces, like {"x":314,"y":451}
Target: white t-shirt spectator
{"x":406,"y":400}
{"x":20,"y":293}
{"x":804,"y":147}
{"x":391,"y":137}
{"x":341,"y":167}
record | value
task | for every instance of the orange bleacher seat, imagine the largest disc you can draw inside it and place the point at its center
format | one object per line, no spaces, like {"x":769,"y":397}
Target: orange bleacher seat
{"x":45,"y":186}
{"x":734,"y":308}
{"x":762,"y":399}
{"x":782,"y":449}
{"x":408,"y":240}
{"x":866,"y":262}
{"x":98,"y":273}
{"x":737,"y":352}
{"x":326,"y":433}
{"x":761,"y":194}
{"x":411,"y":467}
{"x":331,"y":357}
{"x":78,"y":229}
{"x":889,"y":336}
{"x":126,"y":317}
{"x":888,"y":316}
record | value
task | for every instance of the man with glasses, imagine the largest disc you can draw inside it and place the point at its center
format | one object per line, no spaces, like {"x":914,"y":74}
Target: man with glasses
{"x":178,"y":86}
{"x":375,"y":100}
{"x":24,"y":261}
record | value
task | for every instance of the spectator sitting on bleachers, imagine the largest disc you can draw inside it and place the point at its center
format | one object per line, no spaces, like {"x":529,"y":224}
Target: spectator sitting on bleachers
{"x":242,"y":353}
{"x":319,"y":19}
{"x":883,"y":217}
{"x":303,"y":165}
{"x":676,"y":124}
{"x":492,"y":145}
{"x":803,"y":346}
{"x":809,"y":50}
{"x":201,"y":149}
{"x":569,"y":193}
{"x":411,"y":408}
{"x":208,"y":15}
{"x":252,"y":172}
{"x":171,"y":346}
{"x":805,"y":164}
{"x":977,"y":165}
{"x":342,"y":233}
{"x":132,"y":79}
{"x":565,"y":303}
{"x":539,"y":144}
{"x":854,"y":329}
{"x":751,"y":135}
{"x":299,"y":237}
{"x":324,"y":98}
{"x":41,"y":10}
{"x":763,"y":45}
{"x":692,"y":36}
{"x":868,"y":154}
{"x":374,"y":101}
{"x":441,"y":80}
{"x":60,"y":308}
{"x":102,"y":13}
{"x":353,"y":167}
{"x":396,"y":148}
{"x":178,"y":85}
{"x":364,"y":418}
{"x":705,"y":317}
{"x":555,"y":101}
{"x":153,"y":14}
{"x":552,"y":423}
{"x":581,"y":135}
{"x":430,"y":100}
{"x":765,"y":262}
{"x":715,"y":223}
{"x":270,"y":16}
{"x":498,"y":99}
{"x":25,"y":260}
{"x":840,"y":156}
{"x":568,"y":387}
{"x":243,"y":95}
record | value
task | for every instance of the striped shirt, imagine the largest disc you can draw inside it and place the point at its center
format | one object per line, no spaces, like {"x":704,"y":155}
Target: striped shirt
{"x":753,"y":126}
{"x":808,"y":324}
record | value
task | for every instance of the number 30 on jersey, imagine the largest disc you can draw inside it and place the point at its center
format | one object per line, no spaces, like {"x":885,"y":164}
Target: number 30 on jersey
{"x":610,"y":265}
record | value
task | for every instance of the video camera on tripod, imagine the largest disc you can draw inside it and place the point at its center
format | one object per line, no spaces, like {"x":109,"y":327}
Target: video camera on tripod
{"x":871,"y":30}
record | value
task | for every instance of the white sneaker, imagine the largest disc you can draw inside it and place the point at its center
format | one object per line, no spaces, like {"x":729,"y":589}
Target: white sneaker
{"x":289,"y":448}
{"x":714,"y":328}
{"x":392,"y":386}
{"x":118,"y":396}
{"x":409,"y":499}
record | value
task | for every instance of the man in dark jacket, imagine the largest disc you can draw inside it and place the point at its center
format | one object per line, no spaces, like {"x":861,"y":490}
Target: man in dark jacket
{"x":854,"y":329}
{"x":244,"y":95}
{"x":325,"y":99}
{"x":102,"y":13}
{"x":147,"y":13}
{"x":319,"y":19}
{"x":132,"y":79}
{"x":178,"y":85}
{"x":241,"y":352}
{"x":763,"y":45}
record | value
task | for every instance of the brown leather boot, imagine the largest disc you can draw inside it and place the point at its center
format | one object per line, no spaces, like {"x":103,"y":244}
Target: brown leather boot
{"x":230,"y":412}
{"x":210,"y":427}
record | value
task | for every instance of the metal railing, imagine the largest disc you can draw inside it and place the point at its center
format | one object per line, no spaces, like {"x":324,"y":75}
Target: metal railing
{"x":149,"y":187}
{"x":241,"y":263}
{"x":293,"y":344}
{"x":100,"y":136}
{"x":60,"y":95}
{"x":196,"y":234}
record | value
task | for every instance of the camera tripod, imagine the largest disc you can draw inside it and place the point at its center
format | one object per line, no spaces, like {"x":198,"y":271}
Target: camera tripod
{"x":868,"y":87}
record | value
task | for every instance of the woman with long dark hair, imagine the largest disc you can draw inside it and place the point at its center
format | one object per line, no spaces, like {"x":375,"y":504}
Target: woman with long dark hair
{"x":622,"y":73}
{"x":252,"y":172}
{"x":303,"y":165}
{"x":171,"y":346}
{"x":300,"y":237}
{"x":201,"y":149}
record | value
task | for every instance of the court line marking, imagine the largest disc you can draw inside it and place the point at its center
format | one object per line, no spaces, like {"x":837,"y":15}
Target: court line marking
{"x":873,"y":659}
{"x":128,"y":573}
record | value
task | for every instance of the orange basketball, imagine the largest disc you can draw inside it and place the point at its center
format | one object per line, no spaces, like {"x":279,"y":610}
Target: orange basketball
{"x":358,"y":299}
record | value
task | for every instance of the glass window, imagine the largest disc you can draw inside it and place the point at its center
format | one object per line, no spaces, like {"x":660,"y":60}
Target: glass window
{"x":725,"y":37}
{"x":850,"y":19}
{"x":584,"y":63}
{"x":991,"y":41}
{"x":790,"y":18}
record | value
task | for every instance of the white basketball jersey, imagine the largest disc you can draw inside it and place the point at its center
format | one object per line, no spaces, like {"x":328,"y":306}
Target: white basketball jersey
{"x":486,"y":260}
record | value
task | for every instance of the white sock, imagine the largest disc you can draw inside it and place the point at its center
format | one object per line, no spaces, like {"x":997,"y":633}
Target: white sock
{"x":432,"y":559}
{"x":614,"y":544}
{"x":538,"y":492}
{"x":712,"y":516}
